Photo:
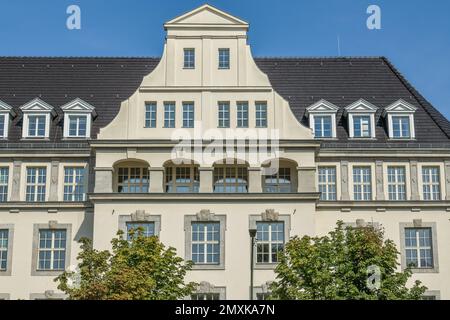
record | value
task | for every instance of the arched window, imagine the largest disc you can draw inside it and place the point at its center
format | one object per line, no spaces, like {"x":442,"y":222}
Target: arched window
{"x":132,"y":177}
{"x":280,"y":178}
{"x":182,"y":178}
{"x":230,"y":178}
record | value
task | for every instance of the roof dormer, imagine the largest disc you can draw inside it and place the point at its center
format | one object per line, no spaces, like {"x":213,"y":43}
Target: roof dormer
{"x":78,"y":115}
{"x":361,"y":119}
{"x":400,"y":120}
{"x":322,"y":119}
{"x":37,"y":116}
{"x":6,"y":112}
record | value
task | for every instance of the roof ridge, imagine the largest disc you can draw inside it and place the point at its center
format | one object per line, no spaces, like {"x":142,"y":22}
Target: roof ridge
{"x":318,"y":57}
{"x":424,"y":103}
{"x":79,"y":57}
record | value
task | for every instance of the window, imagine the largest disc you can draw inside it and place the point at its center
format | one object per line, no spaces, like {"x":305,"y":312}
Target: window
{"x":327,"y":183}
{"x":279,"y":182}
{"x":4,"y":237}
{"x":224,"y":115}
{"x":52,"y":249}
{"x":186,"y":179}
{"x":188,"y":114}
{"x":322,"y":127}
{"x":77,"y":126}
{"x":36,"y":126}
{"x":150,"y":115}
{"x":205,"y":296}
{"x":261,"y":114}
{"x":401,"y":127}
{"x":169,"y":115}
{"x":133,"y":180}
{"x":4,"y":177}
{"x":224,"y":58}
{"x":147,"y":229}
{"x":270,"y":241}
{"x":419,"y":248}
{"x":36,"y":184}
{"x":361,"y":127}
{"x":189,"y":58}
{"x":206,"y":242}
{"x":242,"y":115}
{"x":3,"y":125}
{"x":362,"y":183}
{"x":230,"y":179}
{"x":396,"y":183}
{"x":74,"y":184}
{"x":431,"y":183}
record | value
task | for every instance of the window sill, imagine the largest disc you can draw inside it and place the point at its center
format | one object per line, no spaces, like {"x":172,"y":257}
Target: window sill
{"x":44,"y":273}
{"x":425,"y":270}
{"x":208,"y":267}
{"x":265,"y":266}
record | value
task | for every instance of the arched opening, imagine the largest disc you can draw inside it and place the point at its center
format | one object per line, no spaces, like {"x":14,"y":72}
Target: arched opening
{"x":131,"y":176}
{"x":181,"y":177}
{"x":231,"y":176}
{"x":280,"y":176}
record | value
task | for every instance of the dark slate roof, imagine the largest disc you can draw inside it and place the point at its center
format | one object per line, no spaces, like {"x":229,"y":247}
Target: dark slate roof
{"x":106,"y":82}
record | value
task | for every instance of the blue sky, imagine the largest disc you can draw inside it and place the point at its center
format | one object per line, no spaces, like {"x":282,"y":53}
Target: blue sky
{"x":415,"y":34}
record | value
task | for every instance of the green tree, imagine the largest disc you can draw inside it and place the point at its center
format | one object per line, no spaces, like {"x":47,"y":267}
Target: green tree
{"x":139,"y":269}
{"x":338,"y":266}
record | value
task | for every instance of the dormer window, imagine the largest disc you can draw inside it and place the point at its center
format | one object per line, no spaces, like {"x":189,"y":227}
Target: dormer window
{"x":361,"y":119}
{"x":224,"y":58}
{"x":37,"y":115}
{"x":322,"y":119}
{"x":400,"y":120}
{"x":6,"y":112}
{"x":78,"y":116}
{"x":189,"y":58}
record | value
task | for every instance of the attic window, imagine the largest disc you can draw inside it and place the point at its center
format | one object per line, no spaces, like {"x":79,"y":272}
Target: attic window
{"x":361,"y":119}
{"x":78,"y":116}
{"x":400,"y":120}
{"x":189,"y":58}
{"x":36,"y":119}
{"x":6,"y":112}
{"x":322,"y":119}
{"x":224,"y":58}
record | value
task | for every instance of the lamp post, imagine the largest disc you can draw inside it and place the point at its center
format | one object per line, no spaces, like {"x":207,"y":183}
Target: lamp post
{"x":252,"y":237}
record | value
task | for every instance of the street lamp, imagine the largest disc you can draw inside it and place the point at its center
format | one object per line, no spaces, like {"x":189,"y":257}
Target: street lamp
{"x":252,"y":237}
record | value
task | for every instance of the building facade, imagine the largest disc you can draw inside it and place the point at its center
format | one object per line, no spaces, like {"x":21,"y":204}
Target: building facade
{"x":207,"y":142}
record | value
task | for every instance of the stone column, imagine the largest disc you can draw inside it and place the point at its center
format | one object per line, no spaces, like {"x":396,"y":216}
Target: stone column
{"x":254,"y":180}
{"x":206,"y":179}
{"x":379,"y":180}
{"x":156,"y":180}
{"x":306,"y":179}
{"x":447,"y":179}
{"x":345,"y":195}
{"x":54,"y":175}
{"x":15,"y":188}
{"x":103,"y":180}
{"x":414,"y":181}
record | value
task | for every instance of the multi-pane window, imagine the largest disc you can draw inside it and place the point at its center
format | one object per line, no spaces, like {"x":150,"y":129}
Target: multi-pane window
{"x":396,"y":183}
{"x":182,"y":179}
{"x":327,"y":183}
{"x":361,"y":126}
{"x":77,"y":126}
{"x":401,"y":127}
{"x":169,"y":114}
{"x":2,"y":125}
{"x":189,"y":58}
{"x":419,"y":248}
{"x":52,"y":249}
{"x":132,"y":180}
{"x":150,"y":115}
{"x":224,"y":58}
{"x":205,"y":296}
{"x":4,"y":234}
{"x":280,"y":182}
{"x":224,"y":115}
{"x":431,"y":183}
{"x":4,"y":176}
{"x":270,"y":241}
{"x":36,"y":184}
{"x":323,"y":127}
{"x":206,"y":242}
{"x":362,"y":183}
{"x":146,"y":228}
{"x":74,"y":184}
{"x":188,"y":114}
{"x":261,"y":114}
{"x":230,"y":179}
{"x":242,"y":115}
{"x":36,"y":126}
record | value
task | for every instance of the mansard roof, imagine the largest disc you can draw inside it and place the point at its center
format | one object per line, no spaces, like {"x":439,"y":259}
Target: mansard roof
{"x":106,"y":82}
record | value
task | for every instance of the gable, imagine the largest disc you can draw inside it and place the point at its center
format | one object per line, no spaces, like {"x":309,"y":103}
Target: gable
{"x":36,"y":105}
{"x":322,"y":106}
{"x":78,"y":105}
{"x":361,"y":106}
{"x":400,"y":106}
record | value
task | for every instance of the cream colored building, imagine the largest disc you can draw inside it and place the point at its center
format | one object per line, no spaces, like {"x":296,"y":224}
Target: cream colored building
{"x":94,"y":145}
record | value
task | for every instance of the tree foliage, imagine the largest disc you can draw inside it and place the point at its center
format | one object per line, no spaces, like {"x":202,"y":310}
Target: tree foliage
{"x":139,"y":269}
{"x":335,"y":267}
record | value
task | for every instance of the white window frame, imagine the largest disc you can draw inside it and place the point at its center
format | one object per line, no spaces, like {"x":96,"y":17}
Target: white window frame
{"x":189,"y":64}
{"x":170,"y":122}
{"x":403,"y":109}
{"x":261,"y":109}
{"x":270,"y":242}
{"x":322,"y":108}
{"x":431,"y":184}
{"x":418,"y":248}
{"x":73,"y":184}
{"x":188,"y":122}
{"x":228,"y":61}
{"x":78,"y":108}
{"x":151,"y":116}
{"x":362,"y":183}
{"x":325,"y":196}
{"x":242,"y":114}
{"x":5,"y":183}
{"x":361,"y":108}
{"x":36,"y":184}
{"x":221,"y":115}
{"x":7,"y":112}
{"x":36,"y":107}
{"x":396,"y":183}
{"x":52,"y":249}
